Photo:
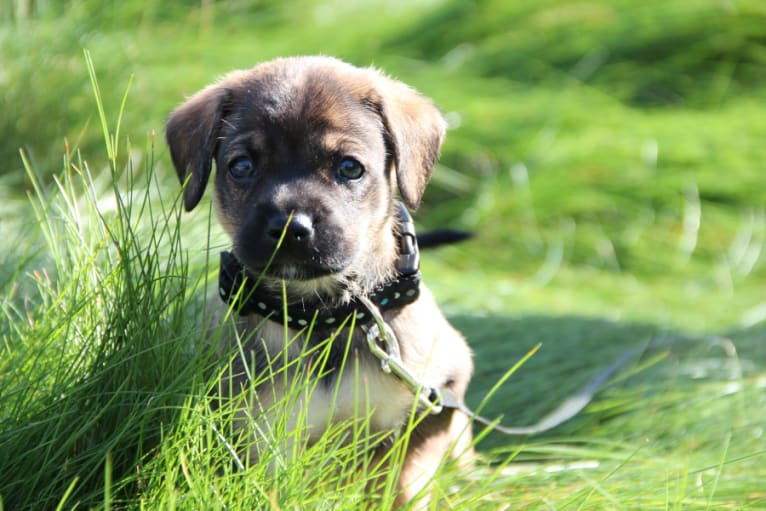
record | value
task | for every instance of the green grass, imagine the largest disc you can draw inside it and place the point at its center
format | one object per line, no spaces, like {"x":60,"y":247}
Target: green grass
{"x":609,"y":156}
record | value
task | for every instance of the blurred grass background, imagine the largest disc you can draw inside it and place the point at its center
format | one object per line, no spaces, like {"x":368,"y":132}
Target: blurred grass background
{"x":612,"y":145}
{"x":610,"y":156}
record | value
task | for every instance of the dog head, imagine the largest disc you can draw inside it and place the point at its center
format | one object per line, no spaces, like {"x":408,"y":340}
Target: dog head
{"x":310,"y":151}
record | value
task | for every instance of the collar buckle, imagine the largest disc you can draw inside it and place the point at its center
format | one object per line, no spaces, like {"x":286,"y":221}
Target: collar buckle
{"x":409,"y":255}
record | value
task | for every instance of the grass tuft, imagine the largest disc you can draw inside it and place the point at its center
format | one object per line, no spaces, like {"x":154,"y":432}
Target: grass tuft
{"x":104,"y":340}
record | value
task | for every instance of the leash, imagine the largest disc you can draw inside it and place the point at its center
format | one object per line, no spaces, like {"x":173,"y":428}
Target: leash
{"x":383,"y":344}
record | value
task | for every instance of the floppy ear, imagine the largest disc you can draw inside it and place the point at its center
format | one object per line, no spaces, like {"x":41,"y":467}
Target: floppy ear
{"x":192,"y":133}
{"x":415,"y":130}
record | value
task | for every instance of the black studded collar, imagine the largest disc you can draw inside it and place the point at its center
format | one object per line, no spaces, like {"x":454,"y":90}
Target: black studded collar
{"x":238,"y":288}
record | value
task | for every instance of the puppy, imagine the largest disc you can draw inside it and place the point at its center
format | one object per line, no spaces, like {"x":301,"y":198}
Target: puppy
{"x":311,"y":154}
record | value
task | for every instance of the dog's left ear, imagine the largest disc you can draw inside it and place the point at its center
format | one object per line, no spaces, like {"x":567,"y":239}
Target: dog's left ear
{"x":192,"y":133}
{"x":415,"y":130}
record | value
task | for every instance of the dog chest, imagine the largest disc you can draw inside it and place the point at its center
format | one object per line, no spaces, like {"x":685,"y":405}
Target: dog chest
{"x":364,"y":390}
{"x":316,"y":390}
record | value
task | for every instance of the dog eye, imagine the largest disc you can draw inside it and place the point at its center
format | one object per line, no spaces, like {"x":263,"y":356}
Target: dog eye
{"x":242,"y":168}
{"x":350,"y":169}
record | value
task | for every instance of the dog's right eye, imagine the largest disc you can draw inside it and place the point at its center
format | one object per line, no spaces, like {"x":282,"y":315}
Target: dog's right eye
{"x":242,"y":168}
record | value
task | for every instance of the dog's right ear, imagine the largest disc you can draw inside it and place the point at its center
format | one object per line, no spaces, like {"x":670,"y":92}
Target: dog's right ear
{"x":192,"y":134}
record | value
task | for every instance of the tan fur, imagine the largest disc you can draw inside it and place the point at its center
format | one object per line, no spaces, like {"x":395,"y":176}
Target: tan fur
{"x":293,"y":119}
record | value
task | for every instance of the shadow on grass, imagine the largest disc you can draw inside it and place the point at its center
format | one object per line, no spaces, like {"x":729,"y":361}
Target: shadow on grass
{"x":673,"y":367}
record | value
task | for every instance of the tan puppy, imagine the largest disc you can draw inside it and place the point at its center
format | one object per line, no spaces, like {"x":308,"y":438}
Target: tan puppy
{"x":312,"y":151}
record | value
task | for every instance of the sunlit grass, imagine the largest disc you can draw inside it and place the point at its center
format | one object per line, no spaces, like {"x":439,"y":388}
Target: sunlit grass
{"x":609,"y":157}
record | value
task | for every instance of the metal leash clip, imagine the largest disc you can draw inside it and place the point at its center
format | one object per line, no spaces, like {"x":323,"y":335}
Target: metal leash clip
{"x":383,"y":344}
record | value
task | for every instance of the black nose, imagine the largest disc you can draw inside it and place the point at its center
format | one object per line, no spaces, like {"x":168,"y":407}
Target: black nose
{"x":298,"y":228}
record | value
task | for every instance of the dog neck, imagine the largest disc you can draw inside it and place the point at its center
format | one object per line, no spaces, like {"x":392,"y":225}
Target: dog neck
{"x":248,"y":294}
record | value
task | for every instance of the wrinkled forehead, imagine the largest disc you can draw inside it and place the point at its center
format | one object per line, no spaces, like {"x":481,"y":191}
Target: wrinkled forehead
{"x":305,"y":101}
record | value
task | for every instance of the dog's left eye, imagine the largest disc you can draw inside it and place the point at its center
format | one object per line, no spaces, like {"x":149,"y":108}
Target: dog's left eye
{"x":242,"y":168}
{"x":349,"y":168}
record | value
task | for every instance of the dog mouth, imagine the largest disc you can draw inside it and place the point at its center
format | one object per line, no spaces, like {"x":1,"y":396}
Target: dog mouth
{"x":299,"y":272}
{"x":291,"y":262}
{"x":293,"y":269}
